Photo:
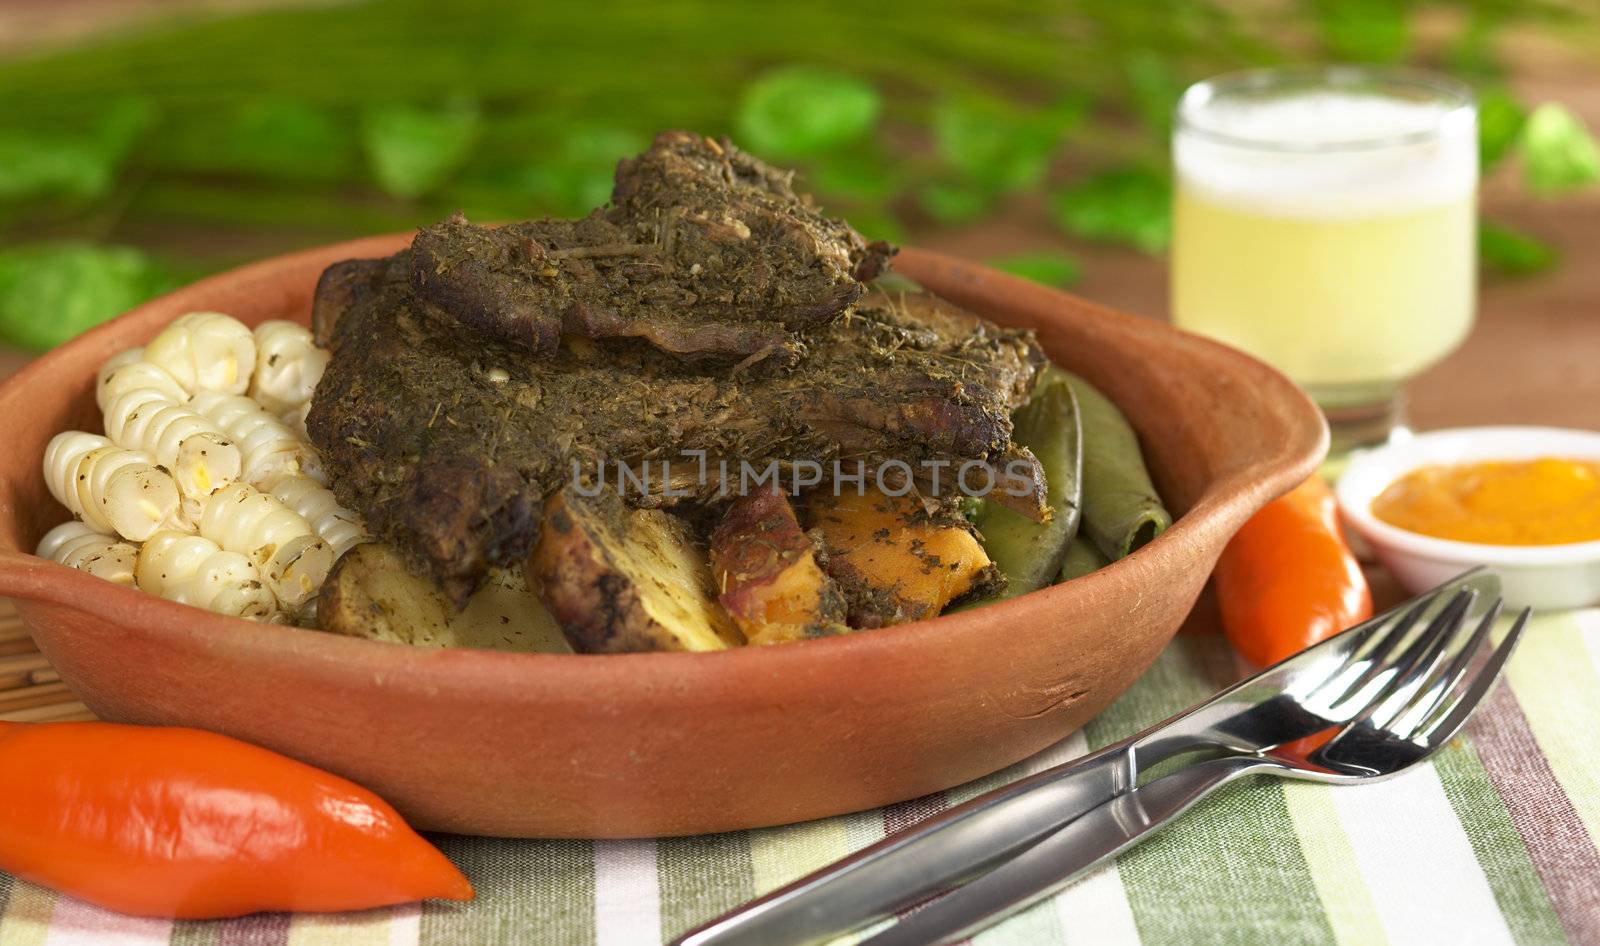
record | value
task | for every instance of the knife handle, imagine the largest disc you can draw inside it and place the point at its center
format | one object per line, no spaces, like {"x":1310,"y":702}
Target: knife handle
{"x":1054,"y":862}
{"x":930,"y":858}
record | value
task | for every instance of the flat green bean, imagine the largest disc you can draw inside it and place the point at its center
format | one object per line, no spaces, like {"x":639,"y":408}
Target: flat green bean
{"x":1082,"y":558}
{"x":1029,"y":553}
{"x":1121,"y":509}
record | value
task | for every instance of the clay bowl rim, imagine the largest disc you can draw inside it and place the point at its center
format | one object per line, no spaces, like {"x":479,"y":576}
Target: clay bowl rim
{"x":1227,"y":499}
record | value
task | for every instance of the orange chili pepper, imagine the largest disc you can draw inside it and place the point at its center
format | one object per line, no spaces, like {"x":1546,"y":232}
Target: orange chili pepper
{"x":183,"y":823}
{"x":1288,"y":580}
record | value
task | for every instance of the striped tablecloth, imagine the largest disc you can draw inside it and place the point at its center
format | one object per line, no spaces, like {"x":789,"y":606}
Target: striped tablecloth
{"x":1495,"y":842}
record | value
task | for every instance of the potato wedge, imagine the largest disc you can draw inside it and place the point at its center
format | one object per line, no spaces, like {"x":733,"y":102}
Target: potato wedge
{"x":373,"y":594}
{"x":767,"y":575}
{"x":892,"y":560}
{"x":620,"y":579}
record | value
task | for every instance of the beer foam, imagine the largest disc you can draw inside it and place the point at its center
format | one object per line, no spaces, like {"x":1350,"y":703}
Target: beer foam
{"x":1328,"y":154}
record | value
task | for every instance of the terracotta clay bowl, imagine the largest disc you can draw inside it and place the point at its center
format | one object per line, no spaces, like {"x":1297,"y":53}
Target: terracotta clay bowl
{"x":667,"y":744}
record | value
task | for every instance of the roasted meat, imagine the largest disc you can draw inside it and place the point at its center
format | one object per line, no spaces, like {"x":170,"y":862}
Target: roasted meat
{"x":448,"y":443}
{"x":707,"y":313}
{"x":703,"y":252}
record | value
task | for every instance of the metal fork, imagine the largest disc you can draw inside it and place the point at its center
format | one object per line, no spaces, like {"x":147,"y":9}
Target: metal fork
{"x":1328,"y":685}
{"x":1410,"y":713}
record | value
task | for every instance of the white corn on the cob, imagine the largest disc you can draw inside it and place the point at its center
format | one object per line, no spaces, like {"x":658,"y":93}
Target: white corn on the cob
{"x":195,"y":570}
{"x":295,"y":419}
{"x":206,"y":351}
{"x":112,"y":489}
{"x":293,"y":560}
{"x":127,"y":370}
{"x":76,"y":545}
{"x":342,"y":529}
{"x":268,"y":449}
{"x":201,"y":457}
{"x":288,"y":366}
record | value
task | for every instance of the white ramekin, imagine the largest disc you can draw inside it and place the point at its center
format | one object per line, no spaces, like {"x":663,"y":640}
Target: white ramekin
{"x":1539,"y":576}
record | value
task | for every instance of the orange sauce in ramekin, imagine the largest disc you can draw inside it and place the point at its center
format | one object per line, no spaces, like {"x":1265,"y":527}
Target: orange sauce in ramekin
{"x":1548,"y":501}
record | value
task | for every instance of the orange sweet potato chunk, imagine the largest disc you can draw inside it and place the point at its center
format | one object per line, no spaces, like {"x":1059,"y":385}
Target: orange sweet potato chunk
{"x":893,"y":562}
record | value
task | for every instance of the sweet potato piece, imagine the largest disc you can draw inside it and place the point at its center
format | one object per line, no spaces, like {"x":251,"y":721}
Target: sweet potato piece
{"x":621,"y":579}
{"x":893,"y":561}
{"x":765,"y":567}
{"x":372,"y":594}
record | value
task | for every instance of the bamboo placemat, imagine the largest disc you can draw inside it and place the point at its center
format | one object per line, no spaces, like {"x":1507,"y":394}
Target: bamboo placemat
{"x":30,"y":689}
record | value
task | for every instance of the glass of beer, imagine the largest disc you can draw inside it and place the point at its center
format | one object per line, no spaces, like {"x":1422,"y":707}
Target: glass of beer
{"x":1325,"y":222}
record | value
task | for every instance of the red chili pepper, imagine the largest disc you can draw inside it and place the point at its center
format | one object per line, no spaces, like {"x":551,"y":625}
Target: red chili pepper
{"x":1288,"y":580}
{"x":183,"y":823}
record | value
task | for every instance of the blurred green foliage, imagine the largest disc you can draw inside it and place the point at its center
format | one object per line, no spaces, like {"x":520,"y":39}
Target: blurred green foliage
{"x":806,"y":112}
{"x":1052,"y":269}
{"x":315,"y":123}
{"x":52,"y":292}
{"x":1511,"y":252}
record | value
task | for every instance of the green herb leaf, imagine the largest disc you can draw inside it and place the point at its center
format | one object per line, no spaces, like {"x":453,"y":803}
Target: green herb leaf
{"x":1558,"y":152}
{"x":1364,"y":30}
{"x":1472,"y":52}
{"x":858,"y":176}
{"x":1513,"y":253}
{"x":413,"y":150}
{"x":1132,"y":206}
{"x":952,"y":205}
{"x":50,"y":293}
{"x":1052,"y":269}
{"x":1500,"y":121}
{"x":274,"y":139}
{"x":76,"y":164}
{"x":575,"y":176}
{"x":803,"y":111}
{"x":39,"y":166}
{"x":1155,"y":89}
{"x":998,"y":146}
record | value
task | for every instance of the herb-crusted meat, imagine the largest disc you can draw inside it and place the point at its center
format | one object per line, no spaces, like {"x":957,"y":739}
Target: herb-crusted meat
{"x":704,"y":252}
{"x":707,"y":308}
{"x":448,"y":444}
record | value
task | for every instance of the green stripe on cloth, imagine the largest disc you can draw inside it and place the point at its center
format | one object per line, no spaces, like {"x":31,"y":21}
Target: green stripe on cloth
{"x":528,"y":892}
{"x":701,"y":878}
{"x":1498,"y":846}
{"x":204,"y":933}
{"x":1328,"y":854}
{"x":198,"y":933}
{"x":780,"y":855}
{"x":783,"y":854}
{"x":1236,"y":865}
{"x":26,"y":921}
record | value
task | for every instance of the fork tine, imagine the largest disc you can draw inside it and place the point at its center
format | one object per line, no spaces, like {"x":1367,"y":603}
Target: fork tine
{"x":1434,"y":690}
{"x":1472,"y":688}
{"x":1417,"y":661}
{"x":1378,"y":657}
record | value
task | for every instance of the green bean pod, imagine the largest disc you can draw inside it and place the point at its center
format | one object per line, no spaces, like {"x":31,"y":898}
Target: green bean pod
{"x":1082,"y":558}
{"x":1121,"y":509}
{"x":1029,"y":553}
